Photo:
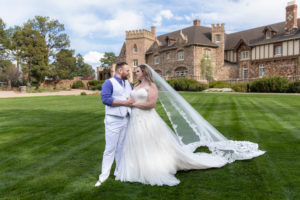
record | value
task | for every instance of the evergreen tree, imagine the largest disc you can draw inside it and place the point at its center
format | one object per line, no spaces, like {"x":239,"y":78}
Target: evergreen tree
{"x":108,"y":59}
{"x":33,"y":52}
{"x":53,"y":33}
{"x":64,"y":66}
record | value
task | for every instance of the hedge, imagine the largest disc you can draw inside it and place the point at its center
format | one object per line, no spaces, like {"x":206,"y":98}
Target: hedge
{"x":77,"y":84}
{"x":185,"y":84}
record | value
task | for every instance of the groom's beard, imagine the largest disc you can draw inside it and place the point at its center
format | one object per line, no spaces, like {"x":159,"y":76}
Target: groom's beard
{"x":124,"y":77}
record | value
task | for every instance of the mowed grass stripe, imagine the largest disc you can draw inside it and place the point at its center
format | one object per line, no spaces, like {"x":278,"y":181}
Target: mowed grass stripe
{"x":275,"y":117}
{"x":48,"y":164}
{"x":58,"y":123}
{"x":45,"y":143}
{"x":277,"y":158}
{"x":53,"y":172}
{"x":267,"y":185}
{"x":46,"y":138}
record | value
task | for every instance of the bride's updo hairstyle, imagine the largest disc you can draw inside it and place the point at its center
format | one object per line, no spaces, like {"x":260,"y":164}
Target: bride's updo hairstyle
{"x":147,"y":73}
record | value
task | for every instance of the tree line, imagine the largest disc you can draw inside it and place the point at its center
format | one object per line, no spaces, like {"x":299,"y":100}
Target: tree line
{"x":40,"y":48}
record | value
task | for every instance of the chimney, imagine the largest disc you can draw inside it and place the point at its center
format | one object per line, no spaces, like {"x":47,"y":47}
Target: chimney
{"x":291,"y":21}
{"x":153,"y":29}
{"x":197,"y":22}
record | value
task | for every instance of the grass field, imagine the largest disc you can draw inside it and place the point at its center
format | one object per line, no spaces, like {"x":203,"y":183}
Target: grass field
{"x":51,"y":148}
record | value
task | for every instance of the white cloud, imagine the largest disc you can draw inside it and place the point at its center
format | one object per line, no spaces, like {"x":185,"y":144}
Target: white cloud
{"x":240,"y":15}
{"x":167,"y":14}
{"x":88,"y":22}
{"x":178,"y":18}
{"x":171,"y":28}
{"x":93,"y":58}
{"x":123,"y":20}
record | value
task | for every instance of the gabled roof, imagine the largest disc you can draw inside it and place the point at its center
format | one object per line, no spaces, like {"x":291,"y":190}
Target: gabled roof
{"x":255,"y":36}
{"x":196,"y":35}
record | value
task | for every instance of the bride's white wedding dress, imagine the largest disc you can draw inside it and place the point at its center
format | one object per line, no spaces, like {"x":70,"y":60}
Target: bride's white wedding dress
{"x":152,"y":153}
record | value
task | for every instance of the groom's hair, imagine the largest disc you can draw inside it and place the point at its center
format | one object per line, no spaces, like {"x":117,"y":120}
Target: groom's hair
{"x":120,"y":65}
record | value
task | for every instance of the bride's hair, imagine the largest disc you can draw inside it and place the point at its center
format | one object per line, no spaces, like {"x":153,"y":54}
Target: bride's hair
{"x":147,"y":74}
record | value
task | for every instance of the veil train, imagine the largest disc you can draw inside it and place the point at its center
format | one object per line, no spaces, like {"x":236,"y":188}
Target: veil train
{"x":194,"y":131}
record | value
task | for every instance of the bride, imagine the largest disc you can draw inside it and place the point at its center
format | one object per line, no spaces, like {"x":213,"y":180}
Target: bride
{"x":153,"y":152}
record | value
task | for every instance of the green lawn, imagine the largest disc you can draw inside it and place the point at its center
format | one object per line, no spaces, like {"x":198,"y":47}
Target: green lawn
{"x":51,"y":148}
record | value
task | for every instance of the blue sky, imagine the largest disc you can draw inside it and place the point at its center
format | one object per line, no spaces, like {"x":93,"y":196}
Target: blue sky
{"x":97,"y":26}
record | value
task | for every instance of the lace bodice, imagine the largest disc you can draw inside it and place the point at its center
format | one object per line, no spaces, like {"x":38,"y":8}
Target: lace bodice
{"x":139,"y":94}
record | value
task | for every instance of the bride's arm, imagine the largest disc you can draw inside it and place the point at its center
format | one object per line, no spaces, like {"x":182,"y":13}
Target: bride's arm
{"x":152,"y":97}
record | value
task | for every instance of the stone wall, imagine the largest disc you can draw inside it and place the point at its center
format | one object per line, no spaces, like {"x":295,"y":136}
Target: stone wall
{"x":62,"y":84}
{"x":168,"y":61}
{"x":284,"y":68}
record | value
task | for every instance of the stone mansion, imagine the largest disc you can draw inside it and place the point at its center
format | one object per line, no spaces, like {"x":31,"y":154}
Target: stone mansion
{"x":242,"y":56}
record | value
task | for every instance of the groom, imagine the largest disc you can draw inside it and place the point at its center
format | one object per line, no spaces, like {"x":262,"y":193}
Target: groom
{"x":115,"y":95}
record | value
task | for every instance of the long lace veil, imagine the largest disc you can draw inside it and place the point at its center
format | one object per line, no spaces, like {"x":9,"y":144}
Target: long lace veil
{"x":194,"y":131}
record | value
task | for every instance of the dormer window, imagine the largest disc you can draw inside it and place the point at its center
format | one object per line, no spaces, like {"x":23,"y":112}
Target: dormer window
{"x":269,"y":32}
{"x":169,"y":41}
{"x":268,"y":35}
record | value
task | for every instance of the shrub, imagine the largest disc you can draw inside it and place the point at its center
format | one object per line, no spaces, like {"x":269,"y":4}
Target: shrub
{"x":270,"y":84}
{"x":97,"y":87}
{"x":95,"y":82}
{"x":82,"y":93}
{"x":294,"y":86}
{"x":77,"y":84}
{"x":219,"y":84}
{"x":197,"y":87}
{"x":240,"y":87}
{"x":185,"y":84}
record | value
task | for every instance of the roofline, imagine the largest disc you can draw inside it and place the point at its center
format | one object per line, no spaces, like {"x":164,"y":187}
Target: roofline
{"x":228,"y":34}
{"x":269,"y":42}
{"x":196,"y":44}
{"x":166,"y":34}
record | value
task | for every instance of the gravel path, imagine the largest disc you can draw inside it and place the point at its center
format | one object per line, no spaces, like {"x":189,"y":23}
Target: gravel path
{"x":8,"y":94}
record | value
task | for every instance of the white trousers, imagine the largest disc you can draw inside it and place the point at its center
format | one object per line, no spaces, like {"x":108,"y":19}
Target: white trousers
{"x":115,"y":131}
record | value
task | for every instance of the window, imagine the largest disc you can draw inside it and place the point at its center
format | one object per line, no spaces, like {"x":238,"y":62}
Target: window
{"x":207,"y":54}
{"x":278,"y":51}
{"x":268,"y":35}
{"x":180,"y":55}
{"x":156,"y":59}
{"x":135,"y":49}
{"x":181,"y":73}
{"x":245,"y":72}
{"x":261,"y":71}
{"x":169,"y":43}
{"x":245,"y":55}
{"x":218,"y":37}
{"x":135,"y":63}
{"x":168,"y":56}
